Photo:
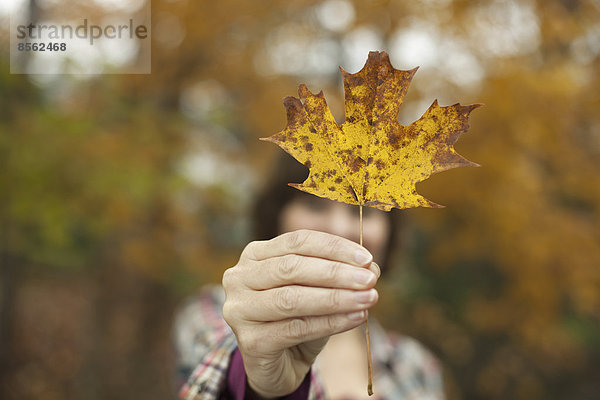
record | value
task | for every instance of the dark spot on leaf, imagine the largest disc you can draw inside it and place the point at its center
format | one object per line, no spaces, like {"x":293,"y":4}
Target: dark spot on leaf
{"x":308,"y":164}
{"x":318,"y":119}
{"x":332,"y":189}
{"x":313,"y":130}
{"x":308,"y":146}
{"x":351,"y":192}
{"x":338,"y":180}
{"x":355,"y":80}
{"x":356,"y":164}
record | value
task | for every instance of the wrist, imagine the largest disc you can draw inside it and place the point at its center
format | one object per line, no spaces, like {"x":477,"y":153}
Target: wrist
{"x":255,"y":392}
{"x":300,"y":391}
{"x":251,"y":394}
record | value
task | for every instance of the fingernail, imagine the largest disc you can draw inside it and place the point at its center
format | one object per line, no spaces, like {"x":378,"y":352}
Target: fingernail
{"x":362,"y":257}
{"x":375,"y":266}
{"x":366,"y":296}
{"x":363,"y":276}
{"x":357,"y":315}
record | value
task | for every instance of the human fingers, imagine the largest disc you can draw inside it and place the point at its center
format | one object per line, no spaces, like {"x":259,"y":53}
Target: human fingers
{"x":275,"y":336}
{"x":293,"y":269}
{"x":299,"y":301}
{"x":309,"y":243}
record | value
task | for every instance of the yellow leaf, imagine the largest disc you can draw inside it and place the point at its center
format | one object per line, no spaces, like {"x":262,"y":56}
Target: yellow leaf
{"x":371,"y":159}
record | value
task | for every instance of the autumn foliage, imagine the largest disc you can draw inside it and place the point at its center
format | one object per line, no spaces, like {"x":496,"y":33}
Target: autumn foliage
{"x":371,"y":160}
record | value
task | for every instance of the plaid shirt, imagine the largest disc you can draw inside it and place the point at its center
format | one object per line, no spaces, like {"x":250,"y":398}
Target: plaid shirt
{"x":403,"y":369}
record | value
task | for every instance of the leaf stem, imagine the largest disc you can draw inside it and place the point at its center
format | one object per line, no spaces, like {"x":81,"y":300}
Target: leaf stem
{"x":361,"y":224}
{"x":369,"y":362}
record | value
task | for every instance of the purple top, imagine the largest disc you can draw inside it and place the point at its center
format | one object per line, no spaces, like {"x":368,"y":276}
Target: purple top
{"x":237,"y":387}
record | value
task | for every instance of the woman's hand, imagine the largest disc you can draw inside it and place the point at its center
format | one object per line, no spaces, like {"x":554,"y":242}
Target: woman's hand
{"x":286,"y":296}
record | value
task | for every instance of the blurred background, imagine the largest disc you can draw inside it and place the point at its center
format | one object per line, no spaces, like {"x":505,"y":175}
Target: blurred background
{"x":120,"y":195}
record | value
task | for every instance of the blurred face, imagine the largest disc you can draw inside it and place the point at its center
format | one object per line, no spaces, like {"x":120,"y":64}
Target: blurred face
{"x":312,"y":212}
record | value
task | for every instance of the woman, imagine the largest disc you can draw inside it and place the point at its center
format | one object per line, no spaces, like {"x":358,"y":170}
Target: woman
{"x":288,"y":323}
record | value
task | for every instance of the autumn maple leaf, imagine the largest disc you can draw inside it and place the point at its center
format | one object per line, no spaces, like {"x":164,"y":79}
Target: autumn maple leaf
{"x":371,"y":159}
